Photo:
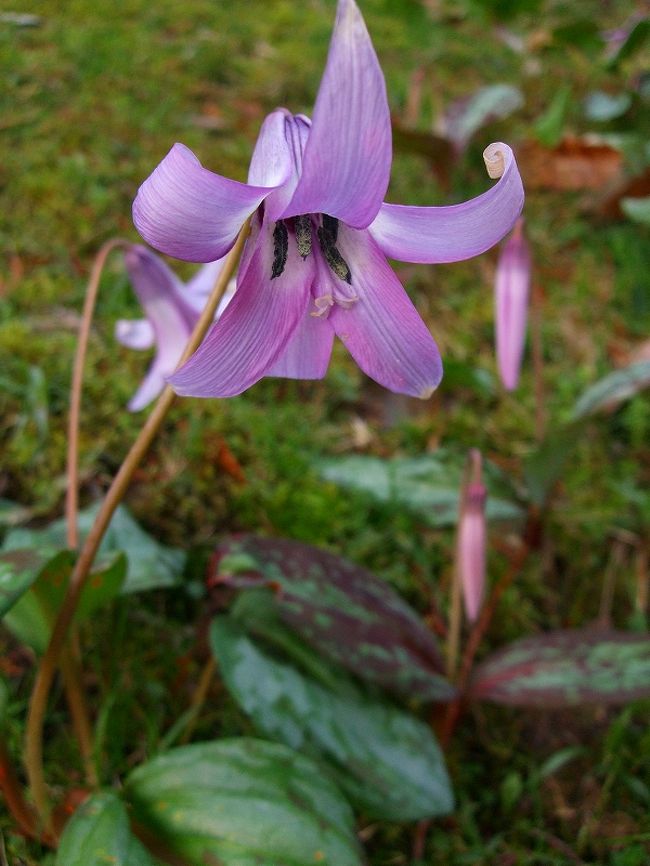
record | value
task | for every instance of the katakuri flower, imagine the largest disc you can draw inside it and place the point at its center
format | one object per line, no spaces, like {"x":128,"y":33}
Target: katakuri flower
{"x":315,"y":262}
{"x":512,"y":289}
{"x":171,"y":309}
{"x":471,"y":538}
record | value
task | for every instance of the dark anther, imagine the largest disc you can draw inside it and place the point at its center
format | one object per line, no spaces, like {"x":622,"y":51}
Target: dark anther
{"x":332,"y":256}
{"x":280,"y":249}
{"x":302,"y":225}
{"x":331,"y":226}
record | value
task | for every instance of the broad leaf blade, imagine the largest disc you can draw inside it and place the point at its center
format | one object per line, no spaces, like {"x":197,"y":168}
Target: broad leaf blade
{"x":150,"y":564}
{"x":564,"y":668}
{"x":243,"y":802}
{"x":428,"y":485}
{"x":385,"y":760}
{"x":98,"y":834}
{"x":343,"y":610}
{"x":18,"y":571}
{"x":32,"y":617}
{"x":613,"y":389}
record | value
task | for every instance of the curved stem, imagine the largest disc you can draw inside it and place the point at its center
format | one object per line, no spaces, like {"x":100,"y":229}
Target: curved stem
{"x":70,"y":667}
{"x":45,"y":675}
{"x":72,"y":490}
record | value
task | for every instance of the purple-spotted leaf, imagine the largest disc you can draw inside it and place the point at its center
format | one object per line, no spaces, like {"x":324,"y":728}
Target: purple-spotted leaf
{"x":243,"y":802}
{"x":344,"y":611}
{"x":613,"y":389}
{"x":98,"y":834}
{"x":386,"y":761}
{"x":564,"y":668}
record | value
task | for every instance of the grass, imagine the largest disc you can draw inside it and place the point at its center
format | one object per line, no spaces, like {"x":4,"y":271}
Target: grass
{"x":92,"y":102}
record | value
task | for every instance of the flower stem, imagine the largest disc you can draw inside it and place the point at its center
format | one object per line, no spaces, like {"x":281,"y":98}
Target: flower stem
{"x":70,"y":666}
{"x":9,"y":785}
{"x":115,"y":494}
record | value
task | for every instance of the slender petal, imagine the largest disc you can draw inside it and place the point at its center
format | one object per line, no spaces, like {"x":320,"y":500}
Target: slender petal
{"x":191,"y":213}
{"x":471,"y":547}
{"x":135,"y":334}
{"x":157,"y":289}
{"x":511,"y":298}
{"x":199,"y":288}
{"x":382,"y":329}
{"x":456,"y":232}
{"x":277,"y":158}
{"x":255,"y":327}
{"x":307,"y":354}
{"x":346,"y":165}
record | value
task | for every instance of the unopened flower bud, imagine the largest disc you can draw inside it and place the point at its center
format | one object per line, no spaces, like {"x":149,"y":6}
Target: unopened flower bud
{"x":511,"y":298}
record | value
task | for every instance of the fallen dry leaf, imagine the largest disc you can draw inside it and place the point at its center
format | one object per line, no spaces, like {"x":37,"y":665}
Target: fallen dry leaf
{"x":575,"y":164}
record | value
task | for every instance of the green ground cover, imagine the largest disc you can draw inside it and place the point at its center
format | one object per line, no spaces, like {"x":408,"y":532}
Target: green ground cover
{"x":91,"y":102}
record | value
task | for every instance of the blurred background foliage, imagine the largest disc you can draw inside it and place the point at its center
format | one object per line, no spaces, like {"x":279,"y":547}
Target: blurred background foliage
{"x":92,"y":100}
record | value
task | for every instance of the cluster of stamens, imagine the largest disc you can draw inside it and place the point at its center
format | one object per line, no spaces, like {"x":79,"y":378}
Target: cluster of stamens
{"x":327,"y":234}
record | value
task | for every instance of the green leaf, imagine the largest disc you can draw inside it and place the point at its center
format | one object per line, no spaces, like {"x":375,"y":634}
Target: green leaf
{"x":549,"y":127}
{"x":564,"y":668}
{"x":635,"y":40}
{"x":637,"y":209}
{"x":613,"y":389}
{"x":150,"y":564}
{"x":386,"y":761}
{"x":243,"y":802}
{"x":18,"y":571}
{"x":487,"y":104}
{"x":348,"y":614}
{"x":98,"y":834}
{"x":429,"y":484}
{"x":544,"y":466}
{"x":32,"y":617}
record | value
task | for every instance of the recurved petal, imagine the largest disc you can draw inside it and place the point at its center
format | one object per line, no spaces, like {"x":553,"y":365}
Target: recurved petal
{"x":346,"y":164}
{"x":135,"y":333}
{"x":307,"y":354}
{"x":459,"y":231}
{"x":157,"y":289}
{"x":382,"y":329}
{"x":191,"y":213}
{"x":255,"y":327}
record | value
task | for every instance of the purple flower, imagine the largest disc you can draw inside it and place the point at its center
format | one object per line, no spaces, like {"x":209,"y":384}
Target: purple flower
{"x":511,"y":298}
{"x":315,"y":262}
{"x":471,"y":539}
{"x":171,"y":309}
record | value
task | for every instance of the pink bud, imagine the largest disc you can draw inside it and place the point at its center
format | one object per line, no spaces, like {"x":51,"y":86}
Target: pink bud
{"x":511,"y":297}
{"x":471,"y":539}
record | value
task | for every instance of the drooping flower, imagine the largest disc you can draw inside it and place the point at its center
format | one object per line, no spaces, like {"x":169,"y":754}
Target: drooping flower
{"x":315,"y":262}
{"x":171,"y":309}
{"x":512,"y":289}
{"x":471,"y":538}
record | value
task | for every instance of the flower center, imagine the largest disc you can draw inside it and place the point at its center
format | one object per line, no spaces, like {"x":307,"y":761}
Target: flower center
{"x":327,"y":233}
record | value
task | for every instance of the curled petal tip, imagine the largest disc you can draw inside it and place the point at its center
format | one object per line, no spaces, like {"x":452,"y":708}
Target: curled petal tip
{"x":495,"y":159}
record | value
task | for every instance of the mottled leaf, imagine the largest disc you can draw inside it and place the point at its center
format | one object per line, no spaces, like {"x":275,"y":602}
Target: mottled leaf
{"x":243,"y":802}
{"x":31,"y":618}
{"x":564,"y":668}
{"x":544,"y":466}
{"x":150,"y":564}
{"x":18,"y":571}
{"x":429,"y":484}
{"x":385,"y":760}
{"x":343,"y":610}
{"x":98,"y":834}
{"x":613,"y":389}
{"x":602,"y":106}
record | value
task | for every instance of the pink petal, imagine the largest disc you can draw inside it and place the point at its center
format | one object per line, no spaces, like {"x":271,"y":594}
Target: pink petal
{"x":135,"y":334}
{"x":191,"y":213}
{"x":511,"y":298}
{"x":277,"y":158}
{"x":382,"y":329}
{"x":255,"y":327}
{"x":459,"y":231}
{"x":199,"y":288}
{"x":158,"y":291}
{"x":307,"y":354}
{"x":346,"y":165}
